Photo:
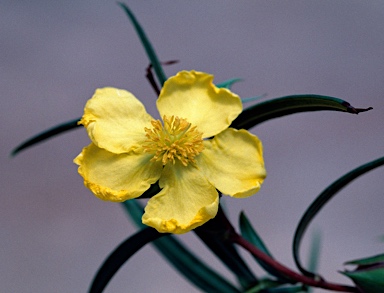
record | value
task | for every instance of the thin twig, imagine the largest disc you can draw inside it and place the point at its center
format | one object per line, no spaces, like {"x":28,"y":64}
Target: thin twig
{"x":149,"y":75}
{"x":320,"y":283}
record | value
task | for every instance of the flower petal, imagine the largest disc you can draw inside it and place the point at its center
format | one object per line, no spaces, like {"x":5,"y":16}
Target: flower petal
{"x":193,"y":96}
{"x":186,"y":201}
{"x":117,"y":177}
{"x":115,"y":120}
{"x":233,"y":162}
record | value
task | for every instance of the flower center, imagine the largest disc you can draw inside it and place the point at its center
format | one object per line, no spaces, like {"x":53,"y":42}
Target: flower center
{"x":175,"y":140}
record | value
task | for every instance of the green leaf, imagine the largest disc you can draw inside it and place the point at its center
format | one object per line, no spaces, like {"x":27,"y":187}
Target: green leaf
{"x":146,"y":44}
{"x":314,"y":252}
{"x":181,"y":258}
{"x":369,"y":280}
{"x":73,"y":124}
{"x":214,"y":235}
{"x":292,"y":289}
{"x":373,"y":260}
{"x":319,"y":203}
{"x":369,"y":274}
{"x":290,"y":105}
{"x":120,"y":255}
{"x":272,"y":286}
{"x":263,"y":286}
{"x":228,"y":83}
{"x":252,"y":99}
{"x":56,"y":130}
{"x":251,"y":235}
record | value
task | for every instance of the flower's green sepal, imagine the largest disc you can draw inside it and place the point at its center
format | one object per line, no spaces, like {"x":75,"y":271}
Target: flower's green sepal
{"x":249,"y":233}
{"x":319,"y":203}
{"x":279,"y":107}
{"x":120,"y":255}
{"x":58,"y":129}
{"x":369,"y":274}
{"x":181,"y":258}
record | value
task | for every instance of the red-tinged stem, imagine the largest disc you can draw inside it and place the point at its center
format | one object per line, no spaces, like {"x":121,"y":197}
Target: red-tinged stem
{"x":236,"y":238}
{"x":151,"y":78}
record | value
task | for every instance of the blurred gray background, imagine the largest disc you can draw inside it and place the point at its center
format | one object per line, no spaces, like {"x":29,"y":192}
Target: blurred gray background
{"x":53,"y":54}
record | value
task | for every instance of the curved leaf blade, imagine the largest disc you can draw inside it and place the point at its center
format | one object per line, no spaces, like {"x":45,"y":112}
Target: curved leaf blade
{"x":319,"y":203}
{"x":146,"y":44}
{"x":288,"y":105}
{"x":368,"y":280}
{"x":120,"y":255}
{"x":213,"y":234}
{"x":250,"y":234}
{"x":369,"y":274}
{"x":228,"y":83}
{"x":293,"y":289}
{"x":252,"y":99}
{"x":368,"y":261}
{"x":182,"y":259}
{"x":56,"y":130}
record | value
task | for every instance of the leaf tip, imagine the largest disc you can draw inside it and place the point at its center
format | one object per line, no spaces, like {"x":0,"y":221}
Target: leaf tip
{"x":354,"y":110}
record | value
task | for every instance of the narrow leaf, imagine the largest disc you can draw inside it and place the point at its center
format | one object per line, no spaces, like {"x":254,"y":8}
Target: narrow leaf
{"x":373,"y":260}
{"x":263,"y":286}
{"x":290,"y":105}
{"x":120,"y":255}
{"x":46,"y":135}
{"x":181,"y":258}
{"x":314,"y":252}
{"x":213,"y":234}
{"x":320,"y":201}
{"x":369,"y":274}
{"x":368,"y":280}
{"x":252,"y":99}
{"x":293,"y":289}
{"x":228,"y":83}
{"x":146,"y":44}
{"x":251,"y":235}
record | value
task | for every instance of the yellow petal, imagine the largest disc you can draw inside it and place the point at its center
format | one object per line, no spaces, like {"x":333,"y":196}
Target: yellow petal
{"x":233,"y":162}
{"x":186,"y":201}
{"x":115,"y":120}
{"x":116,"y":177}
{"x":193,"y":96}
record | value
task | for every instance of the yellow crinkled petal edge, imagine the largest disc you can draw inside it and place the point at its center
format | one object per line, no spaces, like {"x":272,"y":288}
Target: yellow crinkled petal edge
{"x":191,"y":95}
{"x":233,"y":162}
{"x":103,"y":171}
{"x":186,"y":201}
{"x":115,"y":120}
{"x":173,"y":226}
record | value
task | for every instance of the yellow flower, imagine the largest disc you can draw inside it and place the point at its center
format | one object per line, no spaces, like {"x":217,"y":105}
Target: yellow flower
{"x":130,"y":151}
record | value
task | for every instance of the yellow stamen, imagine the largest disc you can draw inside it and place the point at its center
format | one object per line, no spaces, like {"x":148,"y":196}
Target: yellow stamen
{"x":175,"y":140}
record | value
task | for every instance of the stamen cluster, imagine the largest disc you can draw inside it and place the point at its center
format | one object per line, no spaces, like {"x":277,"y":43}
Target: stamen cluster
{"x":177,"y":139}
